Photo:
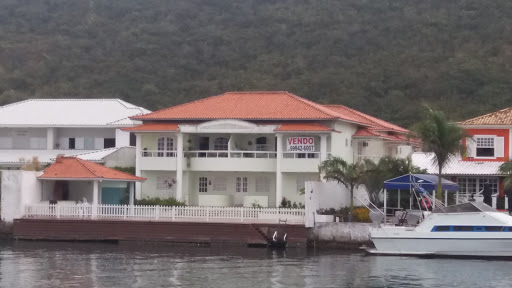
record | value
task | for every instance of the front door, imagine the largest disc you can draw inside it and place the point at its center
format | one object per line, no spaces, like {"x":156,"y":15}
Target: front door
{"x":240,"y":190}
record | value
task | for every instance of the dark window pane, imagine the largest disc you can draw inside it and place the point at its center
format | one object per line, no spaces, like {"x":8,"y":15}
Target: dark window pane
{"x":109,"y":143}
{"x":442,"y":228}
{"x":485,"y":152}
{"x":463,"y":228}
{"x":133,"y":140}
{"x":71,"y":143}
{"x":493,"y":228}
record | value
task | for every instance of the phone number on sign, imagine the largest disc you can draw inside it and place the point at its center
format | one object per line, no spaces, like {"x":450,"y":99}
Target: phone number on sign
{"x":302,"y":148}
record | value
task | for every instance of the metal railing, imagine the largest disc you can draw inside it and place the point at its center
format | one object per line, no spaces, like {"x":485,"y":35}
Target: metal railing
{"x":165,"y":213}
{"x":230,"y":154}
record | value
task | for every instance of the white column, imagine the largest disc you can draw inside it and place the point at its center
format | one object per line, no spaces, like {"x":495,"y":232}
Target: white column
{"x":385,"y":205}
{"x":433,"y":199}
{"x":138,"y":155}
{"x":279,"y":175}
{"x":95,"y":196}
{"x":323,"y":147}
{"x":50,"y":138}
{"x":445,"y":198}
{"x":131,"y":189}
{"x":179,"y":167}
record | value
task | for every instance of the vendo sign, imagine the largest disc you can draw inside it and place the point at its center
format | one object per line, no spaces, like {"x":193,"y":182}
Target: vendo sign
{"x":300,"y":144}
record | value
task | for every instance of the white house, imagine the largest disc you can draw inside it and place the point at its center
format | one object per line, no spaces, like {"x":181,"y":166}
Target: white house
{"x":47,"y":127}
{"x":252,"y":148}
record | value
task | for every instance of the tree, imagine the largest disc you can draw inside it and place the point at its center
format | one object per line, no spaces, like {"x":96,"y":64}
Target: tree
{"x":506,"y":169}
{"x":386,"y":168}
{"x":350,"y":175}
{"x":441,"y":137}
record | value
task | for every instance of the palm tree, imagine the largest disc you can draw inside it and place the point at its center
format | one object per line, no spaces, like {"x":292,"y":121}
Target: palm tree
{"x":441,"y":137}
{"x":350,"y":175}
{"x":506,"y":169}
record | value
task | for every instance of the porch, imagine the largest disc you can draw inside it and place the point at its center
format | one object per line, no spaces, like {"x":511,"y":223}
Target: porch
{"x":197,"y":214}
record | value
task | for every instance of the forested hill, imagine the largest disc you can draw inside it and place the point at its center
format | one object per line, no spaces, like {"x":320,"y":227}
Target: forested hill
{"x":382,"y":57}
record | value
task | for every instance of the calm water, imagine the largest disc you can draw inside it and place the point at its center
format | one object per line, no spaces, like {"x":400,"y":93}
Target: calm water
{"x":46,"y":264}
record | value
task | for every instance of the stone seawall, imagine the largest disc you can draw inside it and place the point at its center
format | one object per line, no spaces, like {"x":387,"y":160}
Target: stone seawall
{"x":340,"y":235}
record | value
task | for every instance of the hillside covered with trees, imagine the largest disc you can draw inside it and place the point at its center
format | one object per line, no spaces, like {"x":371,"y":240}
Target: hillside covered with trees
{"x":382,"y":57}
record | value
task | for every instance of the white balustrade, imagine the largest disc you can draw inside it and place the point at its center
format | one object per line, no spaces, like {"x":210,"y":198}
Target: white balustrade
{"x":229,"y":154}
{"x":158,"y":153}
{"x":301,"y":155}
{"x":167,"y":213}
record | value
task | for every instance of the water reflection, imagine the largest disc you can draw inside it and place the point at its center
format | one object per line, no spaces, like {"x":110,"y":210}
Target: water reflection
{"x":50,"y":264}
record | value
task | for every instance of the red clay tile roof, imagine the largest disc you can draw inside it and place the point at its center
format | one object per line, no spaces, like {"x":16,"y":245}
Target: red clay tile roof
{"x":375,"y":123}
{"x":501,"y":117}
{"x":303,"y":127}
{"x":76,"y":168}
{"x":153,"y":127}
{"x":365,"y":132}
{"x":245,"y":105}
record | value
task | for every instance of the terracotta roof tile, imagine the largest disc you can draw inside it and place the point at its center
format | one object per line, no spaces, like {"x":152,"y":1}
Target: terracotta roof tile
{"x":375,"y":123}
{"x":501,"y":117}
{"x":303,"y":127}
{"x":76,"y":168}
{"x":268,"y":105}
{"x":153,"y":127}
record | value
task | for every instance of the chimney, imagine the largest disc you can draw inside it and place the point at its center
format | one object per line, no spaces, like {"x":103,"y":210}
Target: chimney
{"x":59,"y":158}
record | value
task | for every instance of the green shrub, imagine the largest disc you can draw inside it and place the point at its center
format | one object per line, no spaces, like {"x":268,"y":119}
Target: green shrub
{"x":171,"y":201}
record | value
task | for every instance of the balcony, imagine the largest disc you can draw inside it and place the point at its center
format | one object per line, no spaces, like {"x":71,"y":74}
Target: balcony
{"x":254,"y":161}
{"x":300,"y":162}
{"x":158,"y":160}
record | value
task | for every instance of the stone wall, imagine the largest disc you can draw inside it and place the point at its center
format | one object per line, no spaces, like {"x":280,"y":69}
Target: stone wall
{"x":340,"y":234}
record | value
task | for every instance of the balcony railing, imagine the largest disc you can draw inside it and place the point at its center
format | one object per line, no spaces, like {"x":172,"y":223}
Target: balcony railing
{"x":300,"y":155}
{"x":158,"y":153}
{"x":231,"y":154}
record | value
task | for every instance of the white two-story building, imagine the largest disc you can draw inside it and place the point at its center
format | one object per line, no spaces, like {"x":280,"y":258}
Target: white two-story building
{"x":45,"y":128}
{"x":252,"y":148}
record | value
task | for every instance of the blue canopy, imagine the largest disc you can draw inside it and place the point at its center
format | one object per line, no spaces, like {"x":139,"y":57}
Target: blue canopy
{"x":422,"y":181}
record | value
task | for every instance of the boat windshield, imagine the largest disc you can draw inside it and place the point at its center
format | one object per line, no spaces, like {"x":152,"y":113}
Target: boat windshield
{"x":471,"y":206}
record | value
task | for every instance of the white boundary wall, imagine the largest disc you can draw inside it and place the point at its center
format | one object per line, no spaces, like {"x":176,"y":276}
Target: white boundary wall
{"x":19,"y":188}
{"x":329,"y":195}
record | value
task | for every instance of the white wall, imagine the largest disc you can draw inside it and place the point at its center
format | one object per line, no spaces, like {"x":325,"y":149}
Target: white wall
{"x":149,"y":187}
{"x":18,"y":189}
{"x":124,"y":157}
{"x":291,"y":181}
{"x":329,"y":195}
{"x":341,"y":143}
{"x":20,"y":137}
{"x":98,"y":134}
{"x":122,"y":138}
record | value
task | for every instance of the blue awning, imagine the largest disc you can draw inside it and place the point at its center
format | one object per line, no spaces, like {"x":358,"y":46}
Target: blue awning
{"x":425,"y":181}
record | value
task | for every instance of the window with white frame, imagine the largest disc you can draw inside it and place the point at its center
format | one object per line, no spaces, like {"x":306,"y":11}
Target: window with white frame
{"x":241,"y":184}
{"x":262,"y":184}
{"x":165,"y":144}
{"x":219,"y":184}
{"x":485,"y":146}
{"x":203,"y":184}
{"x":220,"y":144}
{"x":475,"y":185}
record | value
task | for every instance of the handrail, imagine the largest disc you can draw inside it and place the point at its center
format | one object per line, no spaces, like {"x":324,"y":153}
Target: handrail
{"x":369,"y":207}
{"x":158,"y":153}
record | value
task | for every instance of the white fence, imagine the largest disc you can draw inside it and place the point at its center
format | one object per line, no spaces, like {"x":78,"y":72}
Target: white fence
{"x":166,"y":213}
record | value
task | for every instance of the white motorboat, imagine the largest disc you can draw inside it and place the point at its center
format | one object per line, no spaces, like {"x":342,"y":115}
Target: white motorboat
{"x":468,"y":229}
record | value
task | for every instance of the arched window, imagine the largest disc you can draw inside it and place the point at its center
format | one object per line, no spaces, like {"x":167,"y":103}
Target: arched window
{"x":165,"y":144}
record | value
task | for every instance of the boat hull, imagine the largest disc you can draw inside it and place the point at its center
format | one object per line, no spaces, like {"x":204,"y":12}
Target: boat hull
{"x":471,"y":245}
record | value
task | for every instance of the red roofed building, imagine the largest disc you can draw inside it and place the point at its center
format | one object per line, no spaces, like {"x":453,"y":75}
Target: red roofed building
{"x":489,"y":146}
{"x":253,"y":148}
{"x":72,"y":179}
